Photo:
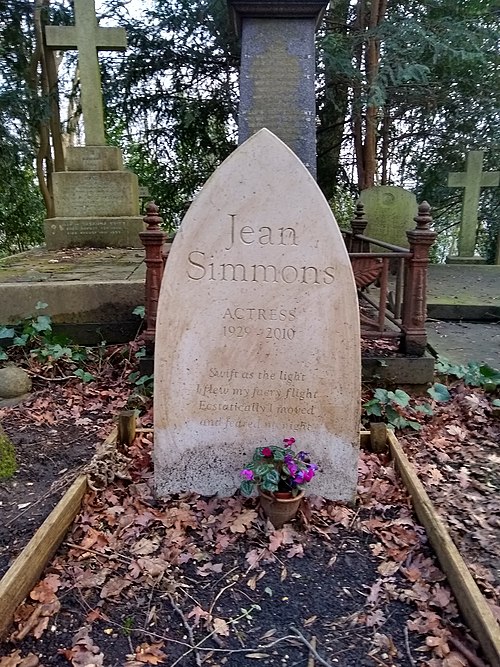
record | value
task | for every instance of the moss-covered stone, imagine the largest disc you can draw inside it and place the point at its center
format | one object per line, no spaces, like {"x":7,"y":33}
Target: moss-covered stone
{"x":8,"y":464}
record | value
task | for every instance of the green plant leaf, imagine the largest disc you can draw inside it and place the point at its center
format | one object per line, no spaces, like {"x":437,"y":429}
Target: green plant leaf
{"x":3,"y":356}
{"x":84,"y":376}
{"x":139,"y":310}
{"x":6,"y":332}
{"x":391,"y":414}
{"x":381,"y":395}
{"x":42,"y":323}
{"x":20,"y":340}
{"x":416,"y":426}
{"x":496,"y":402}
{"x":439,"y":392}
{"x":373,"y":408}
{"x":401,"y":398}
{"x":247,"y":487}
{"x":425,"y":409}
{"x":41,"y":305}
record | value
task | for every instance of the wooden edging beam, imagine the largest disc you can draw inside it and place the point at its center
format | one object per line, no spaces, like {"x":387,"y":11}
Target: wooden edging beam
{"x":26,"y":570}
{"x":471,"y":602}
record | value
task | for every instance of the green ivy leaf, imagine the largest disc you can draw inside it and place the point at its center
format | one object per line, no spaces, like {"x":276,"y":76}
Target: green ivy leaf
{"x":373,"y":408}
{"x":3,"y":356}
{"x":439,"y":392}
{"x":425,"y":409}
{"x":6,"y":332}
{"x":42,"y":323}
{"x":41,"y":305}
{"x":496,"y":402}
{"x":139,"y":310}
{"x":401,"y":398}
{"x":84,"y":376}
{"x":381,"y":395}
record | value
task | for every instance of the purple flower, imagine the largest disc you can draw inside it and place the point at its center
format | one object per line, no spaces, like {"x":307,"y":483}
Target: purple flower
{"x":292,"y":467}
{"x":247,"y":474}
{"x":300,"y":477}
{"x":267,"y":452}
{"x":302,"y":456}
{"x":288,"y":458}
{"x":288,"y":441}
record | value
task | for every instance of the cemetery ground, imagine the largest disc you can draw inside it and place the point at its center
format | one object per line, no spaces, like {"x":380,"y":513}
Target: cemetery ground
{"x":190,"y":580}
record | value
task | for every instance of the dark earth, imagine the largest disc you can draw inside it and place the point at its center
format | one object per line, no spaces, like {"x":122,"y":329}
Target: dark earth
{"x":141,"y":580}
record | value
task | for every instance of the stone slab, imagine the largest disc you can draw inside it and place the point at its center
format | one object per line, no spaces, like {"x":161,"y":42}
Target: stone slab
{"x":257,"y":330}
{"x":100,"y":232}
{"x":466,"y":342}
{"x":93,"y":158}
{"x":463,"y":291}
{"x":95,"y":194}
{"x":457,"y":259}
{"x":390,"y":211}
{"x":398,"y":370}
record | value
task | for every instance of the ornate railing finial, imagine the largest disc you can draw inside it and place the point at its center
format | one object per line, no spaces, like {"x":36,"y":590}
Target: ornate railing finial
{"x":153,"y":239}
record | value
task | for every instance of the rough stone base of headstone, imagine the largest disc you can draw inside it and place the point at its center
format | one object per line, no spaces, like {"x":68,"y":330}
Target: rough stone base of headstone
{"x":465,"y":260}
{"x":121,"y":232}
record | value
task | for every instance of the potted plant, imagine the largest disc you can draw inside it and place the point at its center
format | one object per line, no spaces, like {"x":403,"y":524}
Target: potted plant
{"x":279,"y":474}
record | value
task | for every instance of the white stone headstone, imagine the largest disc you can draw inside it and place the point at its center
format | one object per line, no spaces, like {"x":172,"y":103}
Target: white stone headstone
{"x":258,"y":330}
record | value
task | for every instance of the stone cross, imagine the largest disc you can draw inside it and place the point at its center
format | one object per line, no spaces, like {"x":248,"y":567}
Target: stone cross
{"x":87,"y":37}
{"x":473,"y":179}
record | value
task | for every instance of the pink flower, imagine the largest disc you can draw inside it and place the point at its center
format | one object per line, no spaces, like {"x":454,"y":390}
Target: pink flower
{"x":247,"y":474}
{"x":288,"y":441}
{"x":267,"y":452}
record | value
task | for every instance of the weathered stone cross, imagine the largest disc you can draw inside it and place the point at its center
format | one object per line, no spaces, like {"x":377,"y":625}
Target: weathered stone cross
{"x":473,"y":179}
{"x":87,"y":37}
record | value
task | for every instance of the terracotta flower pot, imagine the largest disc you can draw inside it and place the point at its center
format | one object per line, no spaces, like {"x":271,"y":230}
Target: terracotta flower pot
{"x":280,"y":510}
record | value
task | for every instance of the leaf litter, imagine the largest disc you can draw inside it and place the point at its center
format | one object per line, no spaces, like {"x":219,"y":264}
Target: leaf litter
{"x":188,"y":580}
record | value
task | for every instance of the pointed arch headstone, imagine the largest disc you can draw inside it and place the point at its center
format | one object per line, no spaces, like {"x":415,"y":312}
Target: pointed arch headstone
{"x":258,"y":330}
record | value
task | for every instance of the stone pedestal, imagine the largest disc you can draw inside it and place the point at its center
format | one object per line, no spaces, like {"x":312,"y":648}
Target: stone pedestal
{"x":277,"y":77}
{"x":96,"y":203}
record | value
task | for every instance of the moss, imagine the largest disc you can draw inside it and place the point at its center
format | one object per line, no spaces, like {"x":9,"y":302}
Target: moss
{"x":7,"y":457}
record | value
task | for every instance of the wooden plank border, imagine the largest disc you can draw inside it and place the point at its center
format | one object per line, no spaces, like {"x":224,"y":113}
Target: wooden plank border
{"x":26,"y":570}
{"x":471,"y":602}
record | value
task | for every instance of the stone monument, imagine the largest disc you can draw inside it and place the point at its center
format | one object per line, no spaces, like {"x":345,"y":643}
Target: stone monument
{"x":472,"y":180}
{"x":390,"y":212}
{"x":96,"y":202}
{"x":277,"y":82}
{"x":257,"y":334}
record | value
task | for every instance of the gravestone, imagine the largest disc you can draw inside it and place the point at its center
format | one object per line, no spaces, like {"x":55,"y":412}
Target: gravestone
{"x":277,"y":74}
{"x":390,"y":212}
{"x":473,"y":179}
{"x":96,"y":202}
{"x":257,"y":333}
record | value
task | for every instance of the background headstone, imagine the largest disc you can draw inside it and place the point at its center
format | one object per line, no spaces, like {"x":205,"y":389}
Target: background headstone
{"x":472,"y":180}
{"x":277,"y":75}
{"x":96,"y":202}
{"x":390,"y":211}
{"x":258,"y":330}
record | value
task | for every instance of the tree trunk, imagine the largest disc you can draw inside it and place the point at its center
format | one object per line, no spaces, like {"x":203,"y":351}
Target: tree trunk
{"x":333,"y":112}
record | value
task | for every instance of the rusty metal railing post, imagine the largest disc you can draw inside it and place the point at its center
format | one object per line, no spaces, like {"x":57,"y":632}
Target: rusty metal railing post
{"x":153,"y":239}
{"x":358,"y":226}
{"x":415,"y":291}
